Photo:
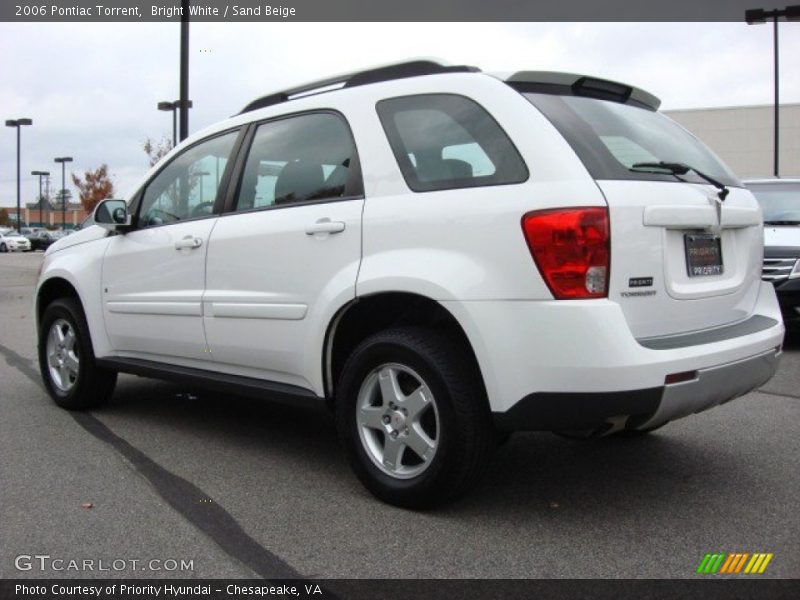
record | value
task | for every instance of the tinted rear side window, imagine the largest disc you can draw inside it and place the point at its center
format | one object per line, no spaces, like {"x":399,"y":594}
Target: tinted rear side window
{"x":444,"y":141}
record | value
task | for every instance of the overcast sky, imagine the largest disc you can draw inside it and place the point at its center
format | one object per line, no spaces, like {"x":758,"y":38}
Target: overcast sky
{"x":92,"y":89}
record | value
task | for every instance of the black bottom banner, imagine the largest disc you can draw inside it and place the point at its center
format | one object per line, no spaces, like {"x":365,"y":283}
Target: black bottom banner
{"x":399,"y":589}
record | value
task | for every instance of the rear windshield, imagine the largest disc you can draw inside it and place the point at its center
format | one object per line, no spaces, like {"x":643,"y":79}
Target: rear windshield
{"x":610,"y":138}
{"x":779,"y":201}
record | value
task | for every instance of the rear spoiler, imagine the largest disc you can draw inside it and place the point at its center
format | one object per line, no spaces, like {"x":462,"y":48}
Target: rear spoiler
{"x":570,"y":84}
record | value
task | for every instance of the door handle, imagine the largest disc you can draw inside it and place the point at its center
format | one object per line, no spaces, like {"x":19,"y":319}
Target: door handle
{"x":325,"y":226}
{"x":189,"y":242}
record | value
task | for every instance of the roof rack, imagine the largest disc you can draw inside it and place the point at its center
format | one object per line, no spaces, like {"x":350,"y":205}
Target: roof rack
{"x":402,"y":70}
{"x":580,"y":85}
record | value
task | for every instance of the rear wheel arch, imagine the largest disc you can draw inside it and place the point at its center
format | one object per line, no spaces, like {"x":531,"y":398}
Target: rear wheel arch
{"x":366,"y":315}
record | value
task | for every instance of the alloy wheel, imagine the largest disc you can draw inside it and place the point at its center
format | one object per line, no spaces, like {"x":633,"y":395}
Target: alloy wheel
{"x":398,"y":421}
{"x":62,"y":355}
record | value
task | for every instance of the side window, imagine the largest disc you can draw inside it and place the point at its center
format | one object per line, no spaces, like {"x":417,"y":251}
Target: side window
{"x":299,"y":159}
{"x":187,"y":187}
{"x":444,"y":141}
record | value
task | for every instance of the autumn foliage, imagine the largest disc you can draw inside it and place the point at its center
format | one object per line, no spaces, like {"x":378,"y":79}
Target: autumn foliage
{"x":96,"y":185}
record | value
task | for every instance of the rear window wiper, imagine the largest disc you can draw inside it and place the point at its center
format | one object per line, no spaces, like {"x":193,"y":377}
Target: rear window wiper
{"x":783,"y":222}
{"x":682,"y":169}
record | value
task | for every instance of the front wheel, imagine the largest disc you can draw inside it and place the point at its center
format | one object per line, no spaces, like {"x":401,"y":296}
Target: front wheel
{"x":412,"y":414}
{"x":66,"y":358}
{"x":3,"y":248}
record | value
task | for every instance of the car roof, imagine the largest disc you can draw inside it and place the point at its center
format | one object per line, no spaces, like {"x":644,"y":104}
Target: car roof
{"x":539,"y":81}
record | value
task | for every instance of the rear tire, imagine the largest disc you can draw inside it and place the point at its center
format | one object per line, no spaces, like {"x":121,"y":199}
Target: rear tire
{"x":66,"y":358}
{"x":412,"y":415}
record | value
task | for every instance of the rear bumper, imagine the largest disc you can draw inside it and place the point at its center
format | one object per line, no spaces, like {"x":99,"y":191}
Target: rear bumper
{"x":714,"y":386}
{"x":640,"y":409}
{"x":553,"y":365}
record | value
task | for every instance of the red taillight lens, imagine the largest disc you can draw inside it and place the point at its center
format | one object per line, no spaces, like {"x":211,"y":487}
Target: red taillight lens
{"x":571,"y":247}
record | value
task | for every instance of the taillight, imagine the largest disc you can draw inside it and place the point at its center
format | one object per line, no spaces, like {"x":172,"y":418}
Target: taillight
{"x":571,"y":248}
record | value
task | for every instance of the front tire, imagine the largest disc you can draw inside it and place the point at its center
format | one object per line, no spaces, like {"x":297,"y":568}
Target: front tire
{"x":412,"y":414}
{"x":66,"y":359}
{"x":3,"y":248}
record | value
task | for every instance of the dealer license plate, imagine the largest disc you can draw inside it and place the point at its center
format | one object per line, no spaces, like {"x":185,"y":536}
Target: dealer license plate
{"x":703,"y":254}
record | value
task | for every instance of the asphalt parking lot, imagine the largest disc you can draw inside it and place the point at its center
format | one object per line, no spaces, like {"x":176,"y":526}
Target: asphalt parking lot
{"x":249,"y":489}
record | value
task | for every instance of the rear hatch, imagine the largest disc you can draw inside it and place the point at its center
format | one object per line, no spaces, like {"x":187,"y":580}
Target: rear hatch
{"x":682,"y":259}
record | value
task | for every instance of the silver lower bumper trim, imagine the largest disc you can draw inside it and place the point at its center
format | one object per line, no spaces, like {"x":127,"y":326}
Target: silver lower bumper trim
{"x":714,"y":386}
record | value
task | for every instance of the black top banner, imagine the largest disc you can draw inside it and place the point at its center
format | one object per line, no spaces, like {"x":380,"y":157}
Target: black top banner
{"x":374,"y":10}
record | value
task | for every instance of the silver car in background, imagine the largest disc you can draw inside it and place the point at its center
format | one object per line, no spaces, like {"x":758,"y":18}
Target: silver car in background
{"x":780,"y":201}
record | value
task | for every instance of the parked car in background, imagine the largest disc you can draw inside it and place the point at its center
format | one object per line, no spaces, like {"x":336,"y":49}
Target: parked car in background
{"x":43,"y":239}
{"x":30,"y":231}
{"x":780,"y":201}
{"x":12,"y":241}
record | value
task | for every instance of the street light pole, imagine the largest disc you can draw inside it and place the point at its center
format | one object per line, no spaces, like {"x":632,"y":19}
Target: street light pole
{"x":173,"y":106}
{"x":777,"y":96}
{"x":63,"y":160}
{"x":184,"y":70}
{"x":199,"y":175}
{"x":757,"y":16}
{"x":47,"y":196}
{"x":18,"y":123}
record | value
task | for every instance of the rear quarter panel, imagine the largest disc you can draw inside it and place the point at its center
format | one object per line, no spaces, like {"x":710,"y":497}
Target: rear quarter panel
{"x":462,"y":244}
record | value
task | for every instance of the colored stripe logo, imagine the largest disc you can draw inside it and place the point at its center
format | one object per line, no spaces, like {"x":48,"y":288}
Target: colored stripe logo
{"x":735,"y":563}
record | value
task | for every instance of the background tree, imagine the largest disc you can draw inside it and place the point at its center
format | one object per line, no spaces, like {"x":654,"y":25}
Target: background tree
{"x":156,"y":150}
{"x":172,"y":197}
{"x":62,"y":197}
{"x":96,"y":185}
{"x":4,"y":218}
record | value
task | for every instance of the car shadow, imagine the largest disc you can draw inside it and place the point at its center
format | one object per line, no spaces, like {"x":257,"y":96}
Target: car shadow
{"x":531,"y":475}
{"x":792,"y":339}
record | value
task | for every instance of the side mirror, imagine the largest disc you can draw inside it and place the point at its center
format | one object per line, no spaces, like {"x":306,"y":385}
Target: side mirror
{"x":111,"y":214}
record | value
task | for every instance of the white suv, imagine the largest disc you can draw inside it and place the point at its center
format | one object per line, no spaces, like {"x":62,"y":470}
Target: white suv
{"x":440,"y":255}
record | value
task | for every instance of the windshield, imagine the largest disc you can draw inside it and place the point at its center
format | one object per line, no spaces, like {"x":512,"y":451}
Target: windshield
{"x":610,"y":137}
{"x":780,"y":201}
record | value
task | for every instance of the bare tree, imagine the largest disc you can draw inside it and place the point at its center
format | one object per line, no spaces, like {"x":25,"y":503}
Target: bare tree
{"x":156,"y":150}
